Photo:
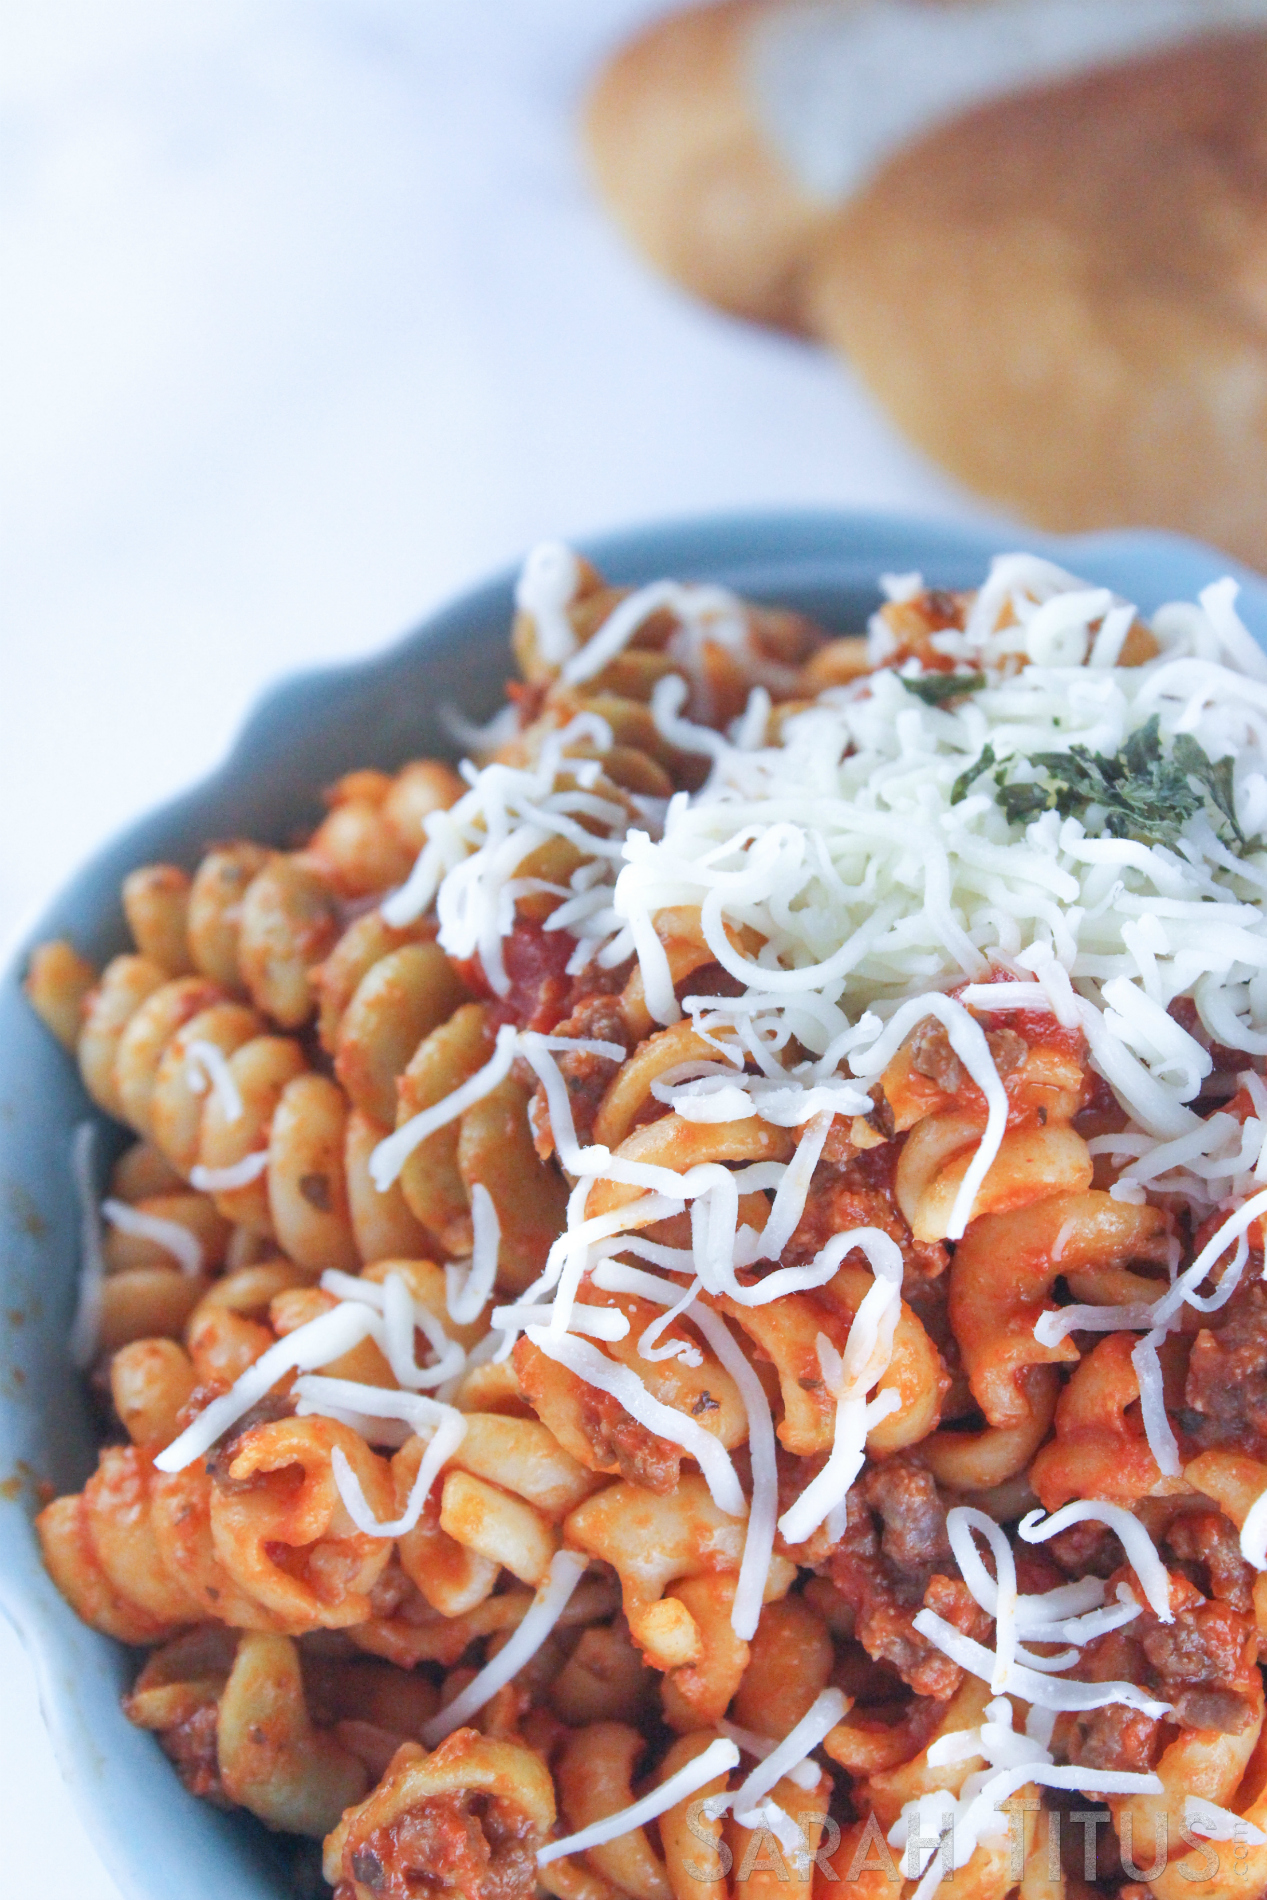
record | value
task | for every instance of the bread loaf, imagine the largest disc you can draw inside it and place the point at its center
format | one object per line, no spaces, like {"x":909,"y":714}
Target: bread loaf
{"x":1037,"y":228}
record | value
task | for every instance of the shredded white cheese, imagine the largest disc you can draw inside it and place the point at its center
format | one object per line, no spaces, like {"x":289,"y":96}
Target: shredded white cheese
{"x":387,"y":1314}
{"x":717,"y":1759}
{"x":939,"y":1832}
{"x":827,"y":1709}
{"x":1013,"y":1666}
{"x":1220,"y":1824}
{"x":442,"y":1425}
{"x":238,"y":1174}
{"x":391,"y":1154}
{"x":1254,"y":1533}
{"x":184,"y":1246}
{"x":206,"y":1066}
{"x":402,"y":1314}
{"x":566,"y":1570}
{"x":467,"y":1290}
{"x":754,"y":1566}
{"x":545,"y":590}
{"x":1141,"y":1552}
{"x":806,"y":1774}
{"x":608,"y":1376}
{"x":315,"y":1344}
{"x":863,"y":1363}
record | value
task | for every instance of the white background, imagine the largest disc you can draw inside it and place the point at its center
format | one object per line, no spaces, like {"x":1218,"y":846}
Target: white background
{"x":309,"y":319}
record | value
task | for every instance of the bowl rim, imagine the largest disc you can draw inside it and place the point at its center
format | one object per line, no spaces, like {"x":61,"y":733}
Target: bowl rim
{"x":855,"y":538}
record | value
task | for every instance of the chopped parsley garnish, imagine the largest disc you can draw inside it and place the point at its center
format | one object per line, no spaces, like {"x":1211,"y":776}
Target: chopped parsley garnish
{"x":1142,"y":793}
{"x":936,"y":688}
{"x":965,"y":781}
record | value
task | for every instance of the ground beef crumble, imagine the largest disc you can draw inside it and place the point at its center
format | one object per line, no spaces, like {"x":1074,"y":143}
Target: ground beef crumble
{"x":1226,"y":1391}
{"x":1202,"y":1663}
{"x":586,"y":1076}
{"x":860,"y":1194}
{"x":1088,"y":1549}
{"x":932,"y":1056}
{"x":1205,"y":1547}
{"x":272,"y":1407}
{"x":886,"y":1571}
{"x":474,"y":1845}
{"x":641,"y":1456}
{"x":191,"y":1745}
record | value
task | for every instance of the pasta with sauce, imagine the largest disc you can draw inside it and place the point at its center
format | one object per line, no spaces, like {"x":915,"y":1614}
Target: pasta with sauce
{"x":686,"y":1317}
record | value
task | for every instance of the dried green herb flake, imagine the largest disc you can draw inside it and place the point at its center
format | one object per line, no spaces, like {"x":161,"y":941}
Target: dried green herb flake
{"x":1141,"y":793}
{"x":935,"y":689}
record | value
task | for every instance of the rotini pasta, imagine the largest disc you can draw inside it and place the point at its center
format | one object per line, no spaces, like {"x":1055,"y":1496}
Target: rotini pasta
{"x":685,"y":1318}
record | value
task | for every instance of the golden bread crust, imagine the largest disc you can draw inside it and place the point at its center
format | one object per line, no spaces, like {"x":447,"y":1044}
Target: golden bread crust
{"x":684,"y":167}
{"x":1062,"y":297}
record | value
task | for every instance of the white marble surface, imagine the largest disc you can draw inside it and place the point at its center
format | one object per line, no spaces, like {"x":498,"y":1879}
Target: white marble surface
{"x":308,"y":319}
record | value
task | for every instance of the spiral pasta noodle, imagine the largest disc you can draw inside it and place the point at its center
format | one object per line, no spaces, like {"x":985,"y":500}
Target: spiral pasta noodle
{"x":685,"y":1315}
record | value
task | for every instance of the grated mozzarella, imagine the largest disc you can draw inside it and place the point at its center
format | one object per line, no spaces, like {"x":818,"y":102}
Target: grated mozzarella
{"x":348,"y":1400}
{"x":1141,"y":1552}
{"x":387,"y":1314}
{"x":1152,"y":1404}
{"x":624,"y":1385}
{"x":1043,"y":1618}
{"x":401,"y":1315}
{"x":206,"y":1066}
{"x":567,"y":1567}
{"x":597,"y":1322}
{"x":775,"y":1820}
{"x":469,"y":866}
{"x":1035,"y":1685}
{"x":545,"y":590}
{"x":938,"y":1832}
{"x":184,"y":1246}
{"x":1254,"y":1533}
{"x":758,"y":1548}
{"x":829,"y":1707}
{"x":868,"y":1350}
{"x":717,"y":1759}
{"x":1219,"y":1824}
{"x":806,"y":1774}
{"x":315,"y":1344}
{"x":997,"y":1595}
{"x":467,"y":1290}
{"x":391,"y":1154}
{"x":718,"y":1097}
{"x":238,"y":1174}
{"x":841,"y":847}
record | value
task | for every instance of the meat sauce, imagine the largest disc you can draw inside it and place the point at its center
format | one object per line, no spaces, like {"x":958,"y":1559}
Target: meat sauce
{"x":535,"y":961}
{"x":472,"y":1845}
{"x":894,"y":1560}
{"x":1225,"y":1393}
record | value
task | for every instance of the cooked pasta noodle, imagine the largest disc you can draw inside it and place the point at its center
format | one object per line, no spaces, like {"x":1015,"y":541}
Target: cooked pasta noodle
{"x":686,"y":1316}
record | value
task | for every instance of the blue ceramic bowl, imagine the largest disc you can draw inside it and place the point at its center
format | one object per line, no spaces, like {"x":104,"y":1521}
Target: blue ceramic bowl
{"x":158,"y":1840}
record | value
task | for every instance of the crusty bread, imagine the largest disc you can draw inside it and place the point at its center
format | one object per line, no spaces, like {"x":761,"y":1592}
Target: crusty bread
{"x":686,"y":170}
{"x":1061,"y":296}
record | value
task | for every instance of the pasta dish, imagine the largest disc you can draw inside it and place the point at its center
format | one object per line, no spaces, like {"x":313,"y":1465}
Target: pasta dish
{"x":685,"y":1315}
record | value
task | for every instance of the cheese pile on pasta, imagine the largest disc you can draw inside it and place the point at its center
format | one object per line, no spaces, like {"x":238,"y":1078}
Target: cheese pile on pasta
{"x":687,"y":1310}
